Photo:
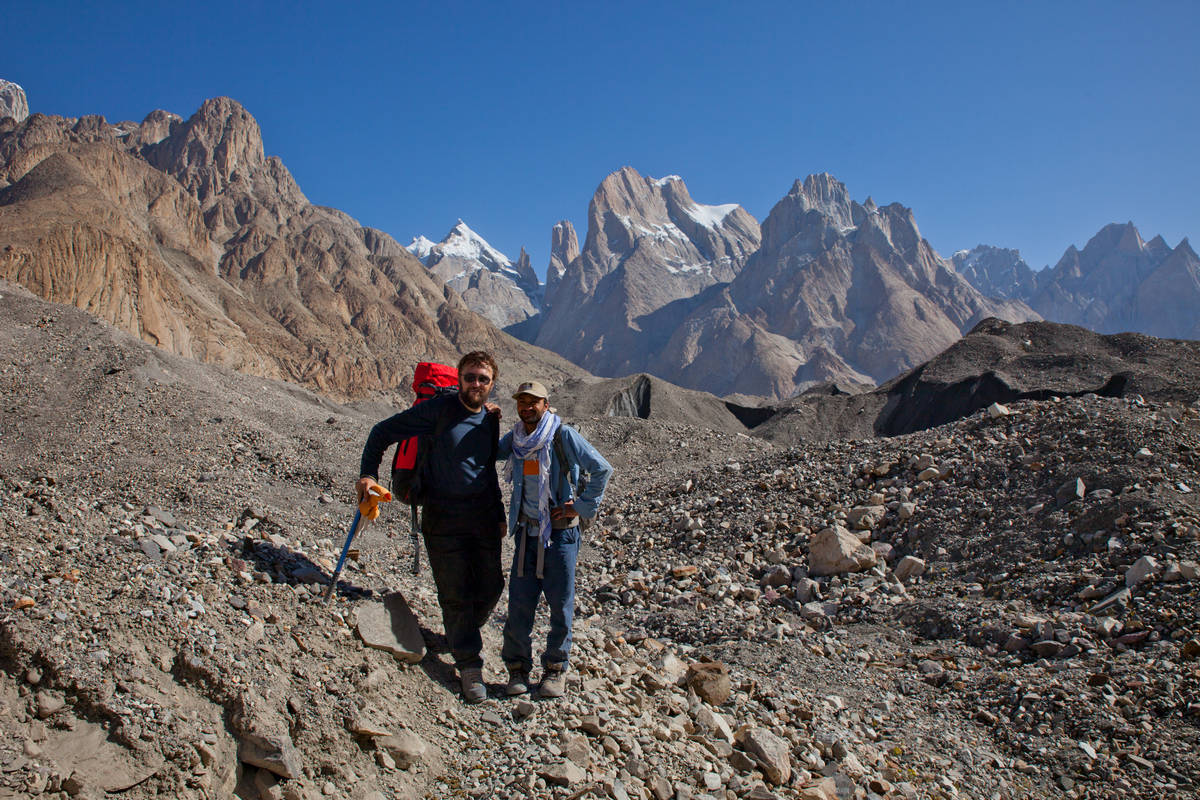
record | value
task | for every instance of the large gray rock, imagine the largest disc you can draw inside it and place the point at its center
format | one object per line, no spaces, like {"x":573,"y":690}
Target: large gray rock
{"x":866,"y":517}
{"x":564,"y":773}
{"x":13,"y":102}
{"x":771,"y":753}
{"x":264,"y":740}
{"x":835,"y":550}
{"x":392,"y":626}
{"x":910,"y":567}
{"x":710,"y":681}
{"x":405,"y":747}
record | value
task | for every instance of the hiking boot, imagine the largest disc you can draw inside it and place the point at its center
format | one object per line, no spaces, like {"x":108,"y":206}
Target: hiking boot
{"x":554,"y":681}
{"x":473,"y":689}
{"x":518,"y":682}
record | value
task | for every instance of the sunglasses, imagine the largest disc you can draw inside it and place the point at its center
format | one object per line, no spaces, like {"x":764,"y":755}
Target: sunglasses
{"x":473,"y":377}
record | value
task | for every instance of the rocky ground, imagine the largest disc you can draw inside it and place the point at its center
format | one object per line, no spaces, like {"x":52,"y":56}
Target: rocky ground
{"x":1005,"y":606}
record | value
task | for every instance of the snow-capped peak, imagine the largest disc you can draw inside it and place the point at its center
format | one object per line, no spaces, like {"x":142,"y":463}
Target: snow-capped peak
{"x":463,"y":242}
{"x":420,"y":247}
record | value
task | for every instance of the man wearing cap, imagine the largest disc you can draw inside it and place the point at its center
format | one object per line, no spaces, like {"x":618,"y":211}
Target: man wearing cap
{"x":549,"y":498}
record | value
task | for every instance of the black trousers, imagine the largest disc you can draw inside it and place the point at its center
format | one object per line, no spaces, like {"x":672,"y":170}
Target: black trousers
{"x":464,"y":556}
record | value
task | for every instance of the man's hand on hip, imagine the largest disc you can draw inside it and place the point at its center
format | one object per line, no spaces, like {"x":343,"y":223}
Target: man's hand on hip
{"x":565,"y":511}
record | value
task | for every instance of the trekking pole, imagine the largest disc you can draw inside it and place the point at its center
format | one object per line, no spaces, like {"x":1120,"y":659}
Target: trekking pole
{"x":367,"y":510}
{"x":414,"y":536}
{"x":342,"y":559}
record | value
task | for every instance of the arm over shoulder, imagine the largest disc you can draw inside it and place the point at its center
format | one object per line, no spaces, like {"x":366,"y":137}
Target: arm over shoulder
{"x":504,"y":449}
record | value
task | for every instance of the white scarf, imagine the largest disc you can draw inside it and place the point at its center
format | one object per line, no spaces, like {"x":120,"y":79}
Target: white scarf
{"x":526,"y":446}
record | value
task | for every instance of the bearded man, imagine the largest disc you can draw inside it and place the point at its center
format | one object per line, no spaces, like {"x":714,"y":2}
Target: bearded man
{"x":463,"y":520}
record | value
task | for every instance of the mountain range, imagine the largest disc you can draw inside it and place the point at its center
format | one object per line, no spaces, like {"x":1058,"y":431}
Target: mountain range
{"x":1117,"y":282}
{"x":827,"y":289}
{"x":832,"y":290}
{"x":184,"y":233}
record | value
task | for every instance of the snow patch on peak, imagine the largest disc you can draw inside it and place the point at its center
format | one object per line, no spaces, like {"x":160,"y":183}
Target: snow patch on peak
{"x":710,"y":216}
{"x":667,"y":179}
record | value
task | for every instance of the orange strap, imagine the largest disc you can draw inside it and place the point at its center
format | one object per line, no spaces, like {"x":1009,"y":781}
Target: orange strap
{"x":369,"y":507}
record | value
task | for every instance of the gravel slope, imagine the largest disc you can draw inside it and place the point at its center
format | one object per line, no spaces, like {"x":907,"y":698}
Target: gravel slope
{"x":166,"y":527}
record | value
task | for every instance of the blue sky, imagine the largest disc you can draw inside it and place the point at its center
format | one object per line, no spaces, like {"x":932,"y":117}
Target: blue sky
{"x":1026,"y":125}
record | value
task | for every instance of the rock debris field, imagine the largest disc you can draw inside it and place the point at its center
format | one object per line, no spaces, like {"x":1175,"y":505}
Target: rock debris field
{"x":1007,"y":606}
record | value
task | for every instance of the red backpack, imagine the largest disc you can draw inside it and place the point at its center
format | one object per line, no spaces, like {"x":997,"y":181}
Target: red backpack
{"x":429,"y":381}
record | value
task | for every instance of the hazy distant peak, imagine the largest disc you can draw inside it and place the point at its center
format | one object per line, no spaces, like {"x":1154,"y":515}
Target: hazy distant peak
{"x":996,"y":271}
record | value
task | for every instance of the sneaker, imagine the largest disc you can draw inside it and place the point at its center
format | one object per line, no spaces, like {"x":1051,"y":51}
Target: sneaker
{"x":554,"y":681}
{"x":473,"y":689}
{"x":518,"y":682}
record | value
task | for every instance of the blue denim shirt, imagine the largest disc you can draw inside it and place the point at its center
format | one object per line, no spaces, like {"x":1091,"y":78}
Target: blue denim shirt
{"x":583,"y":458}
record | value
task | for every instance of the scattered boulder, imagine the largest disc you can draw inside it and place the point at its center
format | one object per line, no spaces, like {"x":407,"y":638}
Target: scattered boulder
{"x":771,"y":753}
{"x":1143,"y":569}
{"x":563,"y":773}
{"x":710,"y":681}
{"x":909,"y":567}
{"x":405,"y":747}
{"x":866,"y":517}
{"x":264,"y":741}
{"x":835,"y":551}
{"x":1070,"y":491}
{"x":392,"y":626}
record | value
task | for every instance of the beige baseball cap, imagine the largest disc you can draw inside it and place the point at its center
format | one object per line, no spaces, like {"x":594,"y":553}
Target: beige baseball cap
{"x":533,"y":388}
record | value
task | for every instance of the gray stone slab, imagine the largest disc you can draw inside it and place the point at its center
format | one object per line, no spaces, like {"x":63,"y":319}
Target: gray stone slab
{"x":392,"y":626}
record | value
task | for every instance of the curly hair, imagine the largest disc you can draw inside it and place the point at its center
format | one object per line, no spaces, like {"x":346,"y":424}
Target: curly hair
{"x":479,"y":358}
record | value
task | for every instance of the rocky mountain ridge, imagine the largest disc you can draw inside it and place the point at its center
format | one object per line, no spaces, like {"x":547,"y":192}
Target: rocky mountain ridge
{"x":835,"y":290}
{"x":1117,"y":282}
{"x":186,"y":234}
{"x":997,"y":272}
{"x":13,"y":102}
{"x":996,"y":362}
{"x":649,"y":250}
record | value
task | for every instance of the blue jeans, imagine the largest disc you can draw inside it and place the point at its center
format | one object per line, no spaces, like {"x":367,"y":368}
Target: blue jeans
{"x":558,"y":584}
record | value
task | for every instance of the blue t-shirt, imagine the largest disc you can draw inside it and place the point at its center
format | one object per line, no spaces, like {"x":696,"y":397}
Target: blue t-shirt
{"x":529,"y":493}
{"x":460,"y":463}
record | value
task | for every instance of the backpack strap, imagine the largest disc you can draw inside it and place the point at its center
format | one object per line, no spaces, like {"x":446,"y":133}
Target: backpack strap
{"x":498,"y":500}
{"x":494,"y":421}
{"x":564,"y":463}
